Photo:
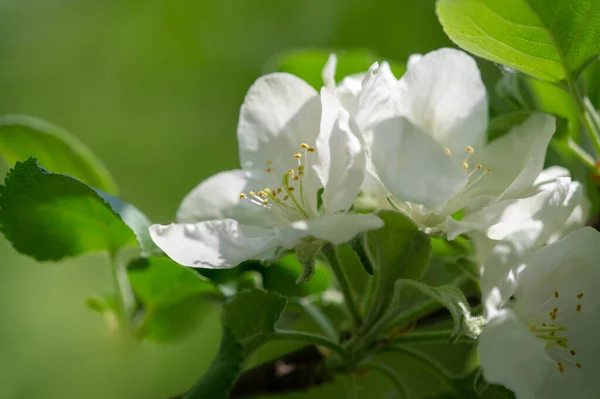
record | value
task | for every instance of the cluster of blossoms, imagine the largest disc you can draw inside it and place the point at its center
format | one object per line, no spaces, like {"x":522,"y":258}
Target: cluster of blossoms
{"x":416,"y":144}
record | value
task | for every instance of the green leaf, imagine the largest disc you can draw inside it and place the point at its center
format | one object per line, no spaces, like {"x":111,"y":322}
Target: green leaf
{"x":223,"y":371}
{"x":23,"y":136}
{"x":159,"y":281}
{"x":399,"y":250}
{"x":251,"y":316}
{"x":51,"y":216}
{"x":308,"y":64}
{"x":248,"y":319}
{"x":450,"y":297}
{"x":548,"y":39}
{"x":282,"y":275}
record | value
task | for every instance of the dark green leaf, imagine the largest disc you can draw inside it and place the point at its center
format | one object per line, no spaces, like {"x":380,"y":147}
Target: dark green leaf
{"x":23,"y":136}
{"x":399,"y":250}
{"x":51,"y":216}
{"x":548,"y":39}
{"x":251,"y":315}
{"x":282,"y":275}
{"x":159,"y":281}
{"x":223,"y":371}
{"x":248,"y":319}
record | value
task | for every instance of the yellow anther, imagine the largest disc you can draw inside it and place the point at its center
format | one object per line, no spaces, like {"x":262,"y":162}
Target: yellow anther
{"x":553,"y":333}
{"x":242,"y":196}
{"x":297,"y":155}
{"x":291,"y":172}
{"x":578,"y":308}
{"x":465,"y":165}
{"x":301,"y":173}
{"x":252,"y":194}
{"x":269,"y":170}
{"x":488,"y":170}
{"x":479,"y":166}
{"x":305,"y":146}
{"x":296,"y":177}
{"x":267,"y":191}
{"x":285,"y":198}
{"x":578,"y":365}
{"x":279,"y":190}
{"x":291,"y":188}
{"x":261,"y":193}
{"x":580,"y":295}
{"x":266,"y":202}
{"x":311,"y":149}
{"x":470,"y":149}
{"x":572,"y":352}
{"x":448,"y":151}
{"x":300,"y":168}
{"x":555,"y":310}
{"x":555,"y":294}
{"x":561,"y":367}
{"x":269,"y":162}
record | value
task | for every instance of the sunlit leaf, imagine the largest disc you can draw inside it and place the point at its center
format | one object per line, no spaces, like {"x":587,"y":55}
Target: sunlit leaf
{"x":51,"y":216}
{"x":23,"y":136}
{"x":548,"y":39}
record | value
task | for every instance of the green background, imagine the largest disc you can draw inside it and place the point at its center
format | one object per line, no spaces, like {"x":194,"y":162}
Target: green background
{"x":154,"y":89}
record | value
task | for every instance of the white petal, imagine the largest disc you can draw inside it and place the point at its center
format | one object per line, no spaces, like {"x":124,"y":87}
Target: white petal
{"x":280,"y":112}
{"x":569,"y":267}
{"x":348,"y":92}
{"x":512,"y":356}
{"x":346,"y":169}
{"x":218,"y":197}
{"x":214,"y":244}
{"x":443,"y":94}
{"x":413,"y":166}
{"x":511,"y":175}
{"x":338,"y":228}
{"x":328,"y":73}
{"x":374,"y":106}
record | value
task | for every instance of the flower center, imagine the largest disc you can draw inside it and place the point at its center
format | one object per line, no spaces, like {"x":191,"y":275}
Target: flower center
{"x":547,"y":327}
{"x":474,"y":172}
{"x":289,"y":199}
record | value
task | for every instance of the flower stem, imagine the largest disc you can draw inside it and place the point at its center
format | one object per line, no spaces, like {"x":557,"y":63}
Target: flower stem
{"x":390,"y":373}
{"x":330,"y":252}
{"x":124,"y":292}
{"x":284,"y":335}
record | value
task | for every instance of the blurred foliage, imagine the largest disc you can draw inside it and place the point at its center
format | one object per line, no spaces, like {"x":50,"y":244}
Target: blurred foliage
{"x":154,"y":89}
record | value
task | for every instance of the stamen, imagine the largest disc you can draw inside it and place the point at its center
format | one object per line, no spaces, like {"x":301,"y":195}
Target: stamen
{"x":291,"y":188}
{"x":252,"y":194}
{"x":578,"y":365}
{"x":291,"y":172}
{"x":297,"y":155}
{"x":286,"y":197}
{"x":561,"y":367}
{"x":555,"y":294}
{"x":269,"y":162}
{"x":578,"y":308}
{"x":296,"y":177}
{"x":470,"y":149}
{"x":243,"y":196}
{"x":269,"y":170}
{"x":580,"y":295}
{"x":572,"y":352}
{"x":305,"y":146}
{"x":465,"y":165}
{"x":448,"y":151}
{"x":311,"y":149}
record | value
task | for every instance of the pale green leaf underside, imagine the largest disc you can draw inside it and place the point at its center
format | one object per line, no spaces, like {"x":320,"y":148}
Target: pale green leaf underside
{"x":24,"y":136}
{"x":548,"y":39}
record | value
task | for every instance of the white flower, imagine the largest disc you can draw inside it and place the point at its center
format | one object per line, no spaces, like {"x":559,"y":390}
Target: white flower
{"x":426,"y":139}
{"x":349,"y":89}
{"x":542,"y":343}
{"x":292,"y":144}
